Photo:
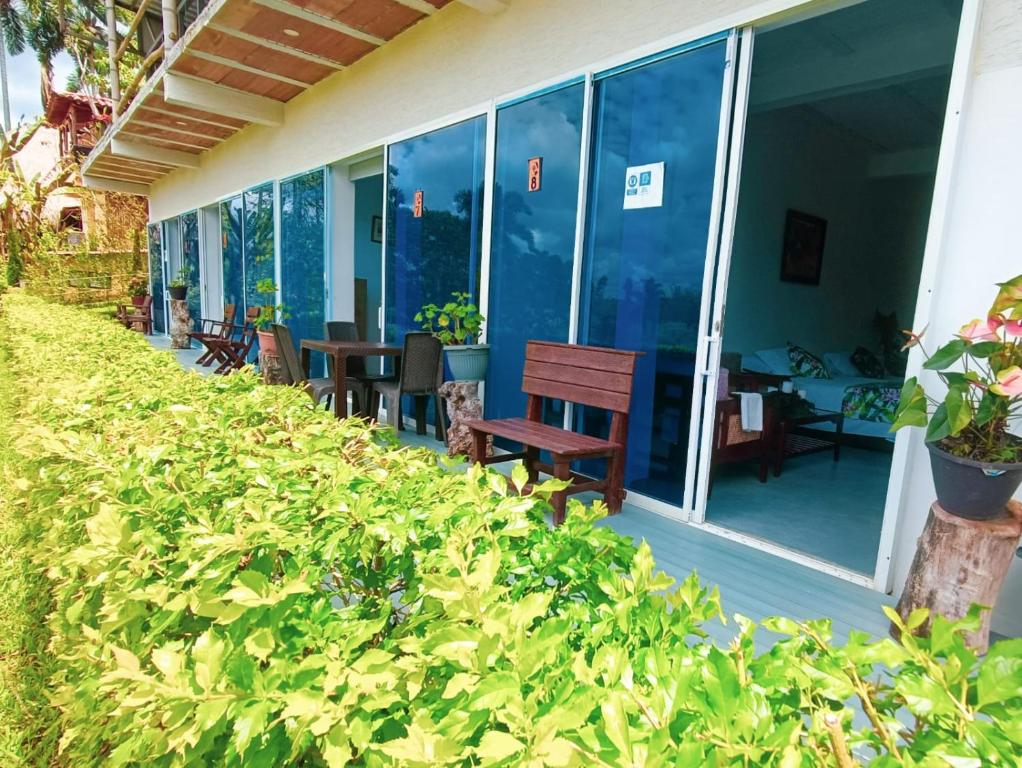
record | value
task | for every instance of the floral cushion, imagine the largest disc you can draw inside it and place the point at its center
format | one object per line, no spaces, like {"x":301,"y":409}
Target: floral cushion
{"x":867,"y":364}
{"x":805,"y":363}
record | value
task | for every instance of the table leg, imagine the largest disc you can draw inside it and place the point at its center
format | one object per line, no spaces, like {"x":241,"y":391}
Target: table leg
{"x":779,"y":456}
{"x":306,"y":360}
{"x":340,"y":385}
{"x":839,"y":431}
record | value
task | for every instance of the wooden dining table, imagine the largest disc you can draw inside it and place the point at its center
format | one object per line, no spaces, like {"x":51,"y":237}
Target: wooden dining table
{"x":340,"y":351}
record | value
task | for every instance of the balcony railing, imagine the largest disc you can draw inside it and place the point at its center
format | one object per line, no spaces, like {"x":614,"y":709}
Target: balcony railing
{"x":155,"y":27}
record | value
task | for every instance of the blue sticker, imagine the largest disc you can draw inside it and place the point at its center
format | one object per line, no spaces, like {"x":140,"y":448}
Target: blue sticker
{"x":646,"y":178}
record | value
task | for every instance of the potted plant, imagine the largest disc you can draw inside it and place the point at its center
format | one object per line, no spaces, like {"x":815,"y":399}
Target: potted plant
{"x":457,"y":325}
{"x":269,"y":313}
{"x":138,"y":287}
{"x":976,"y":460}
{"x":178,"y":287}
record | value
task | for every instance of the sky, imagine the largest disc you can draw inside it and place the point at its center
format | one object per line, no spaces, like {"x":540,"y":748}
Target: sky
{"x":25,"y":85}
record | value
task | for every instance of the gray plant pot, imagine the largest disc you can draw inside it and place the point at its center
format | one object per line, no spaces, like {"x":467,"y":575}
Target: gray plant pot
{"x":977,"y":490}
{"x":468,"y":362}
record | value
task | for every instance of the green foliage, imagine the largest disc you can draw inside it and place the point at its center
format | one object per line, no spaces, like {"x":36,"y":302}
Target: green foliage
{"x":982,"y":371}
{"x":269,"y":313}
{"x":238,"y":579}
{"x":456,"y":322}
{"x":15,"y":265}
{"x":183,"y":278}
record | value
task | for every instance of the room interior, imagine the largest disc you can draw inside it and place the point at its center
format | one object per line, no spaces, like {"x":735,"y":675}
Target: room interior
{"x":844,"y":127}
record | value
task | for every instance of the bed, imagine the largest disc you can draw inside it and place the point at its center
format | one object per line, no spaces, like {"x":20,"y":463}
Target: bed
{"x":868,"y":404}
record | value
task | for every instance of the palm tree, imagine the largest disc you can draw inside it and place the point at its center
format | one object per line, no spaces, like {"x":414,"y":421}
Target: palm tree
{"x":12,"y":40}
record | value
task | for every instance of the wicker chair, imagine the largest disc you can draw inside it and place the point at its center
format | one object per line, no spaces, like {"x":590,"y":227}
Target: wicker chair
{"x":421,"y":375}
{"x":358,"y":382}
{"x":317,"y":389}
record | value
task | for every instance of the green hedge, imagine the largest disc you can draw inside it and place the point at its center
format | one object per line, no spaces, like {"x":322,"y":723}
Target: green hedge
{"x":236,"y":579}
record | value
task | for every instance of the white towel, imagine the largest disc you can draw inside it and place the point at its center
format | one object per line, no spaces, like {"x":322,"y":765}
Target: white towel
{"x":752,"y":411}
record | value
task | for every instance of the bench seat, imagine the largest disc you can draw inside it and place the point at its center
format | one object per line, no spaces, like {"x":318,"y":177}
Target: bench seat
{"x":546,"y":438}
{"x":595,"y":377}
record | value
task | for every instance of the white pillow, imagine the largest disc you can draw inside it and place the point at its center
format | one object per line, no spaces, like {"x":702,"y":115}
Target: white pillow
{"x":776,"y":360}
{"x":840,"y":364}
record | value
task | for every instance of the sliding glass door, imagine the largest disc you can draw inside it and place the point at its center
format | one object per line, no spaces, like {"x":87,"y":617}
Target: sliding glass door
{"x":231,"y":240}
{"x":653,"y":165}
{"x":303,"y":254}
{"x":434,"y":221}
{"x":258,"y":238}
{"x":157,"y":283}
{"x":189,"y":231}
{"x":535,"y":203}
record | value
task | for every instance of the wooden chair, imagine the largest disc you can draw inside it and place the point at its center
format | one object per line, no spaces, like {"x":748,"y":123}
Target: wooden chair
{"x":421,"y":375}
{"x":232,"y":350}
{"x":213,"y":329}
{"x":358,"y":382}
{"x":594,"y":377}
{"x":217,"y":346}
{"x":733,"y":444}
{"x":318,"y":389}
{"x":142,"y":318}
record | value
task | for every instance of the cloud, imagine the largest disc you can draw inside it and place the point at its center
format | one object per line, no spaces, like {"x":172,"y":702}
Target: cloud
{"x":25,"y":85}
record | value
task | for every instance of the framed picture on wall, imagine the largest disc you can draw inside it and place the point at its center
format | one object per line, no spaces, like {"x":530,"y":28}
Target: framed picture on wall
{"x":804,"y":237}
{"x":376,"y":232}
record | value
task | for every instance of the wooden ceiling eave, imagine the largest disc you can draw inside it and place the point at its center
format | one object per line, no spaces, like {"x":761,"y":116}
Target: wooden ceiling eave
{"x":237,"y":64}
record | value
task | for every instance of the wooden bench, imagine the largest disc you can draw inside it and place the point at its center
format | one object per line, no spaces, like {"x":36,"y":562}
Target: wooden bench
{"x":595,"y":377}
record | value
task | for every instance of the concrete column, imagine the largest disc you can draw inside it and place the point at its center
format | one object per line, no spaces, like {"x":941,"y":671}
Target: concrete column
{"x":170,"y":30}
{"x":111,"y":46}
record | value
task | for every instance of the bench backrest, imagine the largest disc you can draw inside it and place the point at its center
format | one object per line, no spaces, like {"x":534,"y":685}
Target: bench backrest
{"x":593,"y":376}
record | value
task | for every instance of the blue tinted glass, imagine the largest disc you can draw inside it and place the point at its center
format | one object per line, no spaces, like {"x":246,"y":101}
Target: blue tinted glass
{"x":231,"y":240}
{"x":189,"y":225}
{"x":156,"y":281}
{"x":533,"y":239}
{"x":258,"y":228}
{"x":303,"y":254}
{"x":431,"y":255}
{"x":643,"y":268}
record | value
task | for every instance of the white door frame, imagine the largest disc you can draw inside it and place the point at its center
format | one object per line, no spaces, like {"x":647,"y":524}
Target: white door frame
{"x":881,"y":579}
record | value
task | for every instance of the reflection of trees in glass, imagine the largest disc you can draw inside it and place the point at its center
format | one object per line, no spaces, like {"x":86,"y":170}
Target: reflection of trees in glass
{"x":156,"y":276}
{"x":190,"y":259}
{"x":429,"y":255}
{"x":258,"y":231}
{"x":231,"y":243}
{"x":302,"y":223}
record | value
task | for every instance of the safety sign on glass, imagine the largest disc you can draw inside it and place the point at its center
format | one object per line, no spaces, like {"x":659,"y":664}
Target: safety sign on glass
{"x":644,"y":186}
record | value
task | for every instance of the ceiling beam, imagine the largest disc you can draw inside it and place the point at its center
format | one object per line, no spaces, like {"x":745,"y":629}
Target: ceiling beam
{"x":486,"y":6}
{"x":112,"y":185}
{"x":165,"y":127}
{"x":273,"y":45}
{"x":419,"y":5}
{"x":323,"y":21}
{"x":118,"y":171}
{"x":186,"y":91}
{"x":190,"y":118}
{"x":137,"y":151}
{"x":226,"y":62}
{"x":146,"y":137}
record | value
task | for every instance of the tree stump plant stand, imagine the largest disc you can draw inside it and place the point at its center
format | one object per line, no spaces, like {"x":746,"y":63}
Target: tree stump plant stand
{"x":272,"y":369}
{"x":463,"y":405}
{"x":180,"y":324}
{"x":960,"y":562}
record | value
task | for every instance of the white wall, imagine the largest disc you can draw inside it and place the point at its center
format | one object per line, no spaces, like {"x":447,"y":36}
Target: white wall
{"x":982,"y":247}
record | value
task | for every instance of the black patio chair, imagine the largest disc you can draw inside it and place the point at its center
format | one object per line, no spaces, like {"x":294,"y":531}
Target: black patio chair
{"x":421,"y":375}
{"x":317,"y":389}
{"x":358,"y":382}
